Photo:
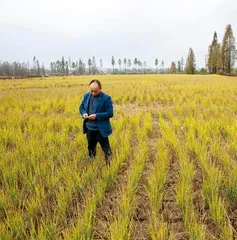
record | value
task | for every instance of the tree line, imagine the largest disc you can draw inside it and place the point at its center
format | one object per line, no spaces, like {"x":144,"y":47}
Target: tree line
{"x":221,"y":59}
{"x":222,"y":56}
{"x":23,"y":69}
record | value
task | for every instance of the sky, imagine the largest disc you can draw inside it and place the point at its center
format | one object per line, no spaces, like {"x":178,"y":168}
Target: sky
{"x":50,"y":29}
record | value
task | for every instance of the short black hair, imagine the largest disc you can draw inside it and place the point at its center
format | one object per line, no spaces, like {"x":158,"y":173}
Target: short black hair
{"x":95,"y":81}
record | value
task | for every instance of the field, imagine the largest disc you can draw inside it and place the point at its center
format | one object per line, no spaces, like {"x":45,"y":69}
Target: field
{"x":174,"y":168}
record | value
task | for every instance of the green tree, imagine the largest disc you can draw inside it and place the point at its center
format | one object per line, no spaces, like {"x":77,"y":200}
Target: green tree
{"x":173,"y":68}
{"x":190,"y":67}
{"x":228,"y":50}
{"x":213,"y":62}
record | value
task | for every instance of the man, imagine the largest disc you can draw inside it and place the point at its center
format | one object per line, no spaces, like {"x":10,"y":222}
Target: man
{"x":96,"y":110}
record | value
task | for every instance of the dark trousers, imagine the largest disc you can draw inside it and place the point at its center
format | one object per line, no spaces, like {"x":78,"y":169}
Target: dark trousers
{"x":93,"y":137}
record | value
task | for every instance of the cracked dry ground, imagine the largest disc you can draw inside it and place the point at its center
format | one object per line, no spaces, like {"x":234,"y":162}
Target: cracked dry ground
{"x":170,"y":210}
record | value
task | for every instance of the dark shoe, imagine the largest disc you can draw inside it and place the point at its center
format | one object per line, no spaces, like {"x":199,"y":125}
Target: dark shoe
{"x":107,"y":160}
{"x":91,"y":158}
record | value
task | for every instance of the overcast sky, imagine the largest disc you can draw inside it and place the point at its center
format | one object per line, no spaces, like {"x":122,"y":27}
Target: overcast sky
{"x":50,"y":29}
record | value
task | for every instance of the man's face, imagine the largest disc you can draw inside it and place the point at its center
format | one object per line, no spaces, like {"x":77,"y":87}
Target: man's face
{"x":95,"y":89}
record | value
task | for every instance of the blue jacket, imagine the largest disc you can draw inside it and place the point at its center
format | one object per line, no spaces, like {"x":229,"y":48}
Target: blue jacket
{"x":104,"y":112}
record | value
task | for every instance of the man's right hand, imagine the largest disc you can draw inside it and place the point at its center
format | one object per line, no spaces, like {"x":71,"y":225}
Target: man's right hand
{"x":85,"y":115}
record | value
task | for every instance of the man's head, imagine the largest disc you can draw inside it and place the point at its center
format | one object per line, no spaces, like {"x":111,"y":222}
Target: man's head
{"x":95,"y":87}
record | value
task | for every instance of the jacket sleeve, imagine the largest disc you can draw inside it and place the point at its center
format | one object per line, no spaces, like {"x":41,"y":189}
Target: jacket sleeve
{"x":108,"y":113}
{"x":82,"y":109}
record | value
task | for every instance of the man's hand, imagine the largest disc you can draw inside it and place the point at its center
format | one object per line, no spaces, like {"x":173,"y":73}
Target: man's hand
{"x":85,"y":115}
{"x":92,"y":117}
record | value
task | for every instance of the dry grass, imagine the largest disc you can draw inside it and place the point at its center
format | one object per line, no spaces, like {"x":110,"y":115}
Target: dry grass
{"x":48,"y":189}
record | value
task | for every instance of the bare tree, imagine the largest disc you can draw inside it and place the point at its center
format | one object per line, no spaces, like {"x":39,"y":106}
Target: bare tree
{"x":94,"y":68}
{"x":129,"y":63}
{"x":113,"y":63}
{"x":125,"y":64}
{"x":101,"y":66}
{"x":156,"y":64}
{"x":162,"y":65}
{"x":70,"y":65}
{"x":136,"y":63}
{"x":89,"y":65}
{"x":120,"y":63}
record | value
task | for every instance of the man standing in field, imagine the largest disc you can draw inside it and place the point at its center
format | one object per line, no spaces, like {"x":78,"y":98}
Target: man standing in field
{"x":96,"y":110}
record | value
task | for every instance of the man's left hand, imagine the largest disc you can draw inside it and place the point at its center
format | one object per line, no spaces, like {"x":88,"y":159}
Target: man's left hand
{"x":92,"y":117}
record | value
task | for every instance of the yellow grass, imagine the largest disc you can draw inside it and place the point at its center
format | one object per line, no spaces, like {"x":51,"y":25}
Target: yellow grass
{"x":48,"y":189}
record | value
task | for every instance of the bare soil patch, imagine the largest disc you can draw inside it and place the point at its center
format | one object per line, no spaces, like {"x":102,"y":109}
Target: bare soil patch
{"x":201,"y":209}
{"x":109,"y":207}
{"x":170,"y":210}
